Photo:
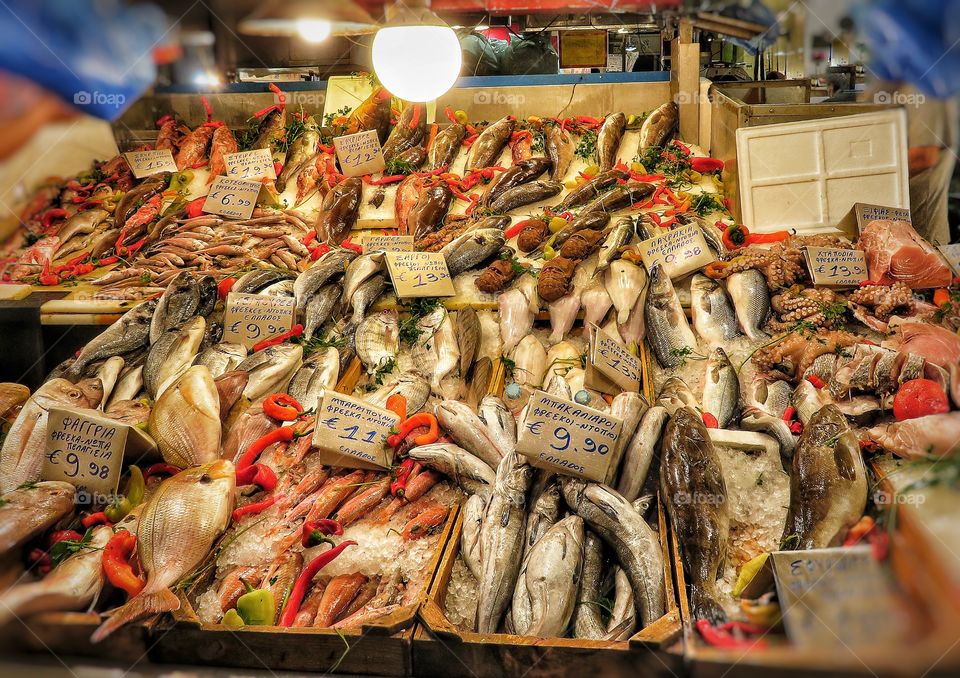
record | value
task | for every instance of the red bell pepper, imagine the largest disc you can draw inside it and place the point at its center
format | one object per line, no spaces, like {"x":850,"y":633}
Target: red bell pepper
{"x":710,"y":421}
{"x":116,"y":564}
{"x":223,"y":289}
{"x":319,"y":251}
{"x":282,"y":407}
{"x":299,"y":589}
{"x":63,"y":535}
{"x":161,"y":468}
{"x":706,"y":165}
{"x":99,"y":518}
{"x":348,"y":245}
{"x":194,"y":208}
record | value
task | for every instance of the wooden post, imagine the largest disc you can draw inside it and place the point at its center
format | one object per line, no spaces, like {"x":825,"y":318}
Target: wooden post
{"x":685,"y":81}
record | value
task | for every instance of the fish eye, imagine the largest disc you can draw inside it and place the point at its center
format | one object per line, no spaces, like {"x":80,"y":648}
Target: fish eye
{"x":205,"y":478}
{"x":75,"y":394}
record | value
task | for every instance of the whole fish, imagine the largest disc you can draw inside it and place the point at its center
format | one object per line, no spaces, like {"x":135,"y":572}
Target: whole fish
{"x":303,"y":148}
{"x":591,"y":189}
{"x":544,"y":514}
{"x":326,"y":268}
{"x":629,"y":407}
{"x":446,"y":350}
{"x":129,"y":384}
{"x":560,"y":149}
{"x":178,"y":526}
{"x":754,"y":419}
{"x":319,"y":373}
{"x":270,"y":370}
{"x":469,"y":431}
{"x":486,"y":149}
{"x":230,"y":387}
{"x":674,"y":394}
{"x":595,"y":301}
{"x":414,"y":388}
{"x":136,"y":197}
{"x":474,"y":509}
{"x":430,"y":209}
{"x":378,"y":339}
{"x":713,"y":315}
{"x":620,"y":197}
{"x":608,"y":140}
{"x":640,"y":452}
{"x":339,"y":211}
{"x":408,"y":192}
{"x":624,"y":282}
{"x":667,"y":328}
{"x":446,"y":145}
{"x":659,"y":126}
{"x":583,"y":221}
{"x":828,"y":483}
{"x":259,"y":279}
{"x":468,"y":338}
{"x":623,"y":618}
{"x":525,"y":194}
{"x":271,"y":130}
{"x":517,"y":175}
{"x":222,"y":357}
{"x":410,"y":131}
{"x":222,"y":144}
{"x":748,"y":291}
{"x":465,"y":469}
{"x":563,"y":311}
{"x":130,"y":332}
{"x":771,"y":397}
{"x":501,"y":541}
{"x":618,"y":236}
{"x":320,"y":305}
{"x":193,"y":148}
{"x":500,"y":422}
{"x":480,"y":377}
{"x":366,"y":296}
{"x":245,"y":428}
{"x":692,"y":485}
{"x":587,"y":618}
{"x":23,"y":452}
{"x":627,"y":533}
{"x":472,"y":249}
{"x":373,"y":113}
{"x":32,"y":508}
{"x":185,"y":420}
{"x":530,"y":361}
{"x":721,"y":389}
{"x":360,"y":270}
{"x":547,"y":586}
{"x":108,"y":374}
{"x":171,"y":355}
{"x":12,"y":397}
{"x":178,"y":303}
{"x":516,"y":318}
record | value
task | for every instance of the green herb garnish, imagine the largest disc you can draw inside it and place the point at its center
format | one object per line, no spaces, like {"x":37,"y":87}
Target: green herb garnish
{"x":67,"y":547}
{"x":704,"y":203}
{"x":587,"y":146}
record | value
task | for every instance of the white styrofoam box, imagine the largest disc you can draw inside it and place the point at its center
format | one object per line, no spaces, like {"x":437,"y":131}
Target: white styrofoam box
{"x":807,"y":175}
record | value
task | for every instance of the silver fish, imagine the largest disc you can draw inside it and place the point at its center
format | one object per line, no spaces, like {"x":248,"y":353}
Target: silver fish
{"x":623,"y":618}
{"x":659,"y":126}
{"x":748,"y":290}
{"x":270,"y":369}
{"x":177,"y":304}
{"x":284,"y":288}
{"x":31,"y":509}
{"x":171,"y":355}
{"x":500,"y":422}
{"x":185,"y":420}
{"x":588,"y":621}
{"x":378,"y":339}
{"x":808,"y":400}
{"x":667,"y":328}
{"x":360,"y":270}
{"x":319,"y":308}
{"x":108,"y":374}
{"x":640,"y":451}
{"x":259,"y":279}
{"x":771,"y":397}
{"x":628,"y":407}
{"x":319,"y":373}
{"x":468,"y":338}
{"x":544,"y":513}
{"x":608,"y":140}
{"x":304,"y":147}
{"x":414,"y":388}
{"x":366,"y":296}
{"x":472,"y":249}
{"x":674,"y":394}
{"x":471,"y":474}
{"x":130,"y":332}
{"x":469,"y":431}
{"x":474,"y":509}
{"x":713,"y":315}
{"x":762,"y":422}
{"x":721,"y":389}
{"x":617,"y":237}
{"x":129,"y":384}
{"x":222,"y":357}
{"x":333,"y":263}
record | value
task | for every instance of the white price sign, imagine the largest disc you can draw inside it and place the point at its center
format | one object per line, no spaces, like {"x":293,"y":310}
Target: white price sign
{"x":252,"y":318}
{"x":679,"y":250}
{"x":250,"y":164}
{"x":359,"y":153}
{"x":352,"y":433}
{"x":145,"y":163}
{"x":419,"y":274}
{"x":233,"y":198}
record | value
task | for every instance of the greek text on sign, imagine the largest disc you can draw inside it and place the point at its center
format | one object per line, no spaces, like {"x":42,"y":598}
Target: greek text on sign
{"x":352,"y":433}
{"x":866,"y":213}
{"x":613,"y":361}
{"x":679,"y":250}
{"x":233,"y":198}
{"x":145,"y":163}
{"x":562,"y":436}
{"x":952,"y":254}
{"x":251,"y":318}
{"x":836,"y":267}
{"x":419,"y":274}
{"x":250,"y":164}
{"x":85,"y":449}
{"x":388,"y":243}
{"x":359,"y":153}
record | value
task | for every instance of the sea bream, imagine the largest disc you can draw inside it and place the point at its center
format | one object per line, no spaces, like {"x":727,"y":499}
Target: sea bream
{"x":713,"y":316}
{"x":130,"y":332}
{"x":721,"y":389}
{"x":751,"y":301}
{"x":31,"y":508}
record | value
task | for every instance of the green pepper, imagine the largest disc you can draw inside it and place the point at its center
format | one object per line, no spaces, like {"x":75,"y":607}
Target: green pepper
{"x":132,"y":496}
{"x":232,"y":618}
{"x":257,"y":606}
{"x":181,"y":180}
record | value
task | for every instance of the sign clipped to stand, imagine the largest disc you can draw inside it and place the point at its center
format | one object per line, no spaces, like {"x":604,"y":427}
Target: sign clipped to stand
{"x":353,"y":433}
{"x":252,"y":318}
{"x":255,"y":164}
{"x":145,"y":163}
{"x":359,"y":153}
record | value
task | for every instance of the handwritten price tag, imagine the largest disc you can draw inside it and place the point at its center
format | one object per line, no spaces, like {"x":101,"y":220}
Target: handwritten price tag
{"x":251,"y":318}
{"x":233,"y":198}
{"x":359,"y":153}
{"x":388,"y":243}
{"x":353,"y":433}
{"x":145,"y":163}
{"x":865,"y":213}
{"x":611,"y":368}
{"x":250,"y":164}
{"x":84,"y":449}
{"x":419,"y":274}
{"x":679,"y":250}
{"x":562,"y":436}
{"x":836,"y":267}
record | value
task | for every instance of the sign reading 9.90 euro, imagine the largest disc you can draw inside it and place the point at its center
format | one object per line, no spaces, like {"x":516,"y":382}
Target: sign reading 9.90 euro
{"x":571,"y":439}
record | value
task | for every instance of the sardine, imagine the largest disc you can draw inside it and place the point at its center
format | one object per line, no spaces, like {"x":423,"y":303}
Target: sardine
{"x":487,"y":147}
{"x":608,"y":140}
{"x":178,"y":526}
{"x":659,"y":126}
{"x":721,"y":389}
{"x":640,"y":451}
{"x":748,"y":291}
{"x":378,"y":339}
{"x":270,"y":369}
{"x":171,"y":355}
{"x":32,"y":508}
{"x":560,"y":149}
{"x":130,"y":332}
{"x":320,"y":305}
{"x":696,"y":497}
{"x":469,"y":431}
{"x":591,"y":189}
{"x":185,"y":420}
{"x":472,"y":249}
{"x":525,"y":194}
{"x":464,"y":468}
{"x":446,"y":145}
{"x":713,"y":315}
{"x":667,"y":328}
{"x":339,"y":211}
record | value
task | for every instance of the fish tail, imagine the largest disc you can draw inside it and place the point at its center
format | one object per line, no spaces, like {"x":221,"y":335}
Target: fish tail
{"x":705,"y":606}
{"x":142,"y":605}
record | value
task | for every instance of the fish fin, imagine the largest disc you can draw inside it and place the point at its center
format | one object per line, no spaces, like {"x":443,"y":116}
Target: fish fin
{"x":704,"y":606}
{"x":142,"y":605}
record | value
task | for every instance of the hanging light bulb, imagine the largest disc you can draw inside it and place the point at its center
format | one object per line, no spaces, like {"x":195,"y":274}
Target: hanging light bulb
{"x":312,"y":20}
{"x":313,"y":30}
{"x":416,"y":55}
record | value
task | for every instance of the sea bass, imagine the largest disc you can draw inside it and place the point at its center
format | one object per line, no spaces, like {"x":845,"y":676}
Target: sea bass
{"x":667,"y":328}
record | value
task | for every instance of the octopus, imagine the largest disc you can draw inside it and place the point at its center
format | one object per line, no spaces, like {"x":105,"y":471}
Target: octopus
{"x":554,"y":280}
{"x":808,"y":305}
{"x":782,"y":264}
{"x":790,"y":355}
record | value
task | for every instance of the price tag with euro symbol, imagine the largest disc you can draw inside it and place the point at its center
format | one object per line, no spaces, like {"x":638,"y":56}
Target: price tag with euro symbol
{"x":353,"y":433}
{"x":419,"y":274}
{"x":252,"y":318}
{"x":234,"y":198}
{"x":833,"y":267}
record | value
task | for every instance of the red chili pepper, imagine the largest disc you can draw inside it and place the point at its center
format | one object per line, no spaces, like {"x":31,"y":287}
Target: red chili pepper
{"x":299,"y":589}
{"x":705,"y":165}
{"x":588,"y":120}
{"x":161,"y":468}
{"x":280,"y":435}
{"x":347,"y":245}
{"x":223,"y":289}
{"x":422,"y":419}
{"x":206,"y":107}
{"x":764,"y":238}
{"x":315,"y":532}
{"x":309,"y":237}
{"x":451,"y":116}
{"x":816,"y":381}
{"x":401,"y":476}
{"x":99,"y":518}
{"x":329,"y":150}
{"x":723,"y":638}
{"x":46,"y":221}
{"x":319,"y":251}
{"x":63,"y":535}
{"x":743,"y":627}
{"x":106,"y":261}
{"x":281,"y":97}
{"x":389,"y":179}
{"x":796,"y":428}
{"x":277,"y":167}
{"x":654,"y":217}
{"x":397,"y":403}
{"x":941,"y":297}
{"x":194,"y":208}
{"x":515,"y":229}
{"x":258,"y":474}
{"x":294,"y":331}
{"x":116,"y":563}
{"x":431,"y":173}
{"x":649,"y":178}
{"x":415,"y":116}
{"x":254,"y":508}
{"x":710,"y":421}
{"x":683,"y":147}
{"x":735,"y":236}
{"x":468,"y":142}
{"x":789,"y":413}
{"x":163,"y":119}
{"x":669,"y":222}
{"x":282,"y":407}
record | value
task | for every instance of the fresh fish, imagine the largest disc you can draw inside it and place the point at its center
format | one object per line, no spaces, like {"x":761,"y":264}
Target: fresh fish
{"x":178,"y":304}
{"x":624,"y":281}
{"x":447,"y":351}
{"x":828,"y":483}
{"x":560,"y":149}
{"x":130,"y":332}
{"x":629,"y":407}
{"x":319,"y":307}
{"x":185,"y":420}
{"x":230,"y":387}
{"x":378,"y":340}
{"x":249,"y":425}
{"x":446,"y":145}
{"x":544,"y":514}
{"x":259,"y":279}
{"x":721,"y":389}
{"x":516,"y":318}
{"x":359,"y":271}
{"x":674,"y":394}
{"x":431,"y":207}
{"x":770,"y":397}
{"x":635,"y":329}
{"x":171,"y":355}
{"x":517,"y":175}
{"x":474,"y":509}
{"x":640,"y":452}
{"x":563,"y":311}
{"x":623,"y":618}
{"x":472,"y":249}
{"x":319,"y":373}
{"x":480,"y":377}
{"x":270,"y":369}
{"x":337,"y":596}
{"x":501,"y":541}
{"x":366,"y":296}
{"x":222,"y":144}
{"x":500,"y":422}
{"x":659,"y":126}
{"x":754,"y":419}
{"x":618,"y":236}
{"x":469,"y":431}
{"x":129,"y":384}
{"x":414,"y":388}
{"x":330,"y":265}
{"x":486,"y":149}
{"x":696,"y":497}
{"x":464,"y":468}
{"x":587,"y":618}
{"x":591,"y":189}
{"x":627,"y":533}
{"x":303,"y":148}
{"x":667,"y":328}
{"x":410,"y":131}
{"x":525,"y":194}
{"x":748,"y":290}
{"x":24,"y":446}
{"x":549,"y":580}
{"x":193,"y":148}
{"x":30,"y":509}
{"x":271,"y":130}
{"x":108,"y":374}
{"x":808,"y":400}
{"x":558,"y":386}
{"x":530,"y":362}
{"x":608,"y":140}
{"x":595,"y":301}
{"x":620,"y":197}
{"x":179,"y":525}
{"x":284,"y":288}
{"x":339,"y":211}
{"x":468,"y":338}
{"x":713,"y":315}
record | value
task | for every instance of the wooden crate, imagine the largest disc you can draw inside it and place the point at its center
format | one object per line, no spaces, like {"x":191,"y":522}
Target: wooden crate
{"x":67,"y":634}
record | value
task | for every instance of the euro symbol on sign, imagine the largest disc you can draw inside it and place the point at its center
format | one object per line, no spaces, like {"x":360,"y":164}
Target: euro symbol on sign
{"x":331,"y":422}
{"x":52,"y":457}
{"x":535,"y":427}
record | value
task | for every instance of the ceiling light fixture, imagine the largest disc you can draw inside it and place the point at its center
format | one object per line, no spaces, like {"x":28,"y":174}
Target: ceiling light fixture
{"x":312,"y":20}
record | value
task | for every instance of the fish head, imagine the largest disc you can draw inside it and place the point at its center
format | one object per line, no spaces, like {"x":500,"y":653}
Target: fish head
{"x":218,"y":476}
{"x":91,"y":392}
{"x":131,"y":412}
